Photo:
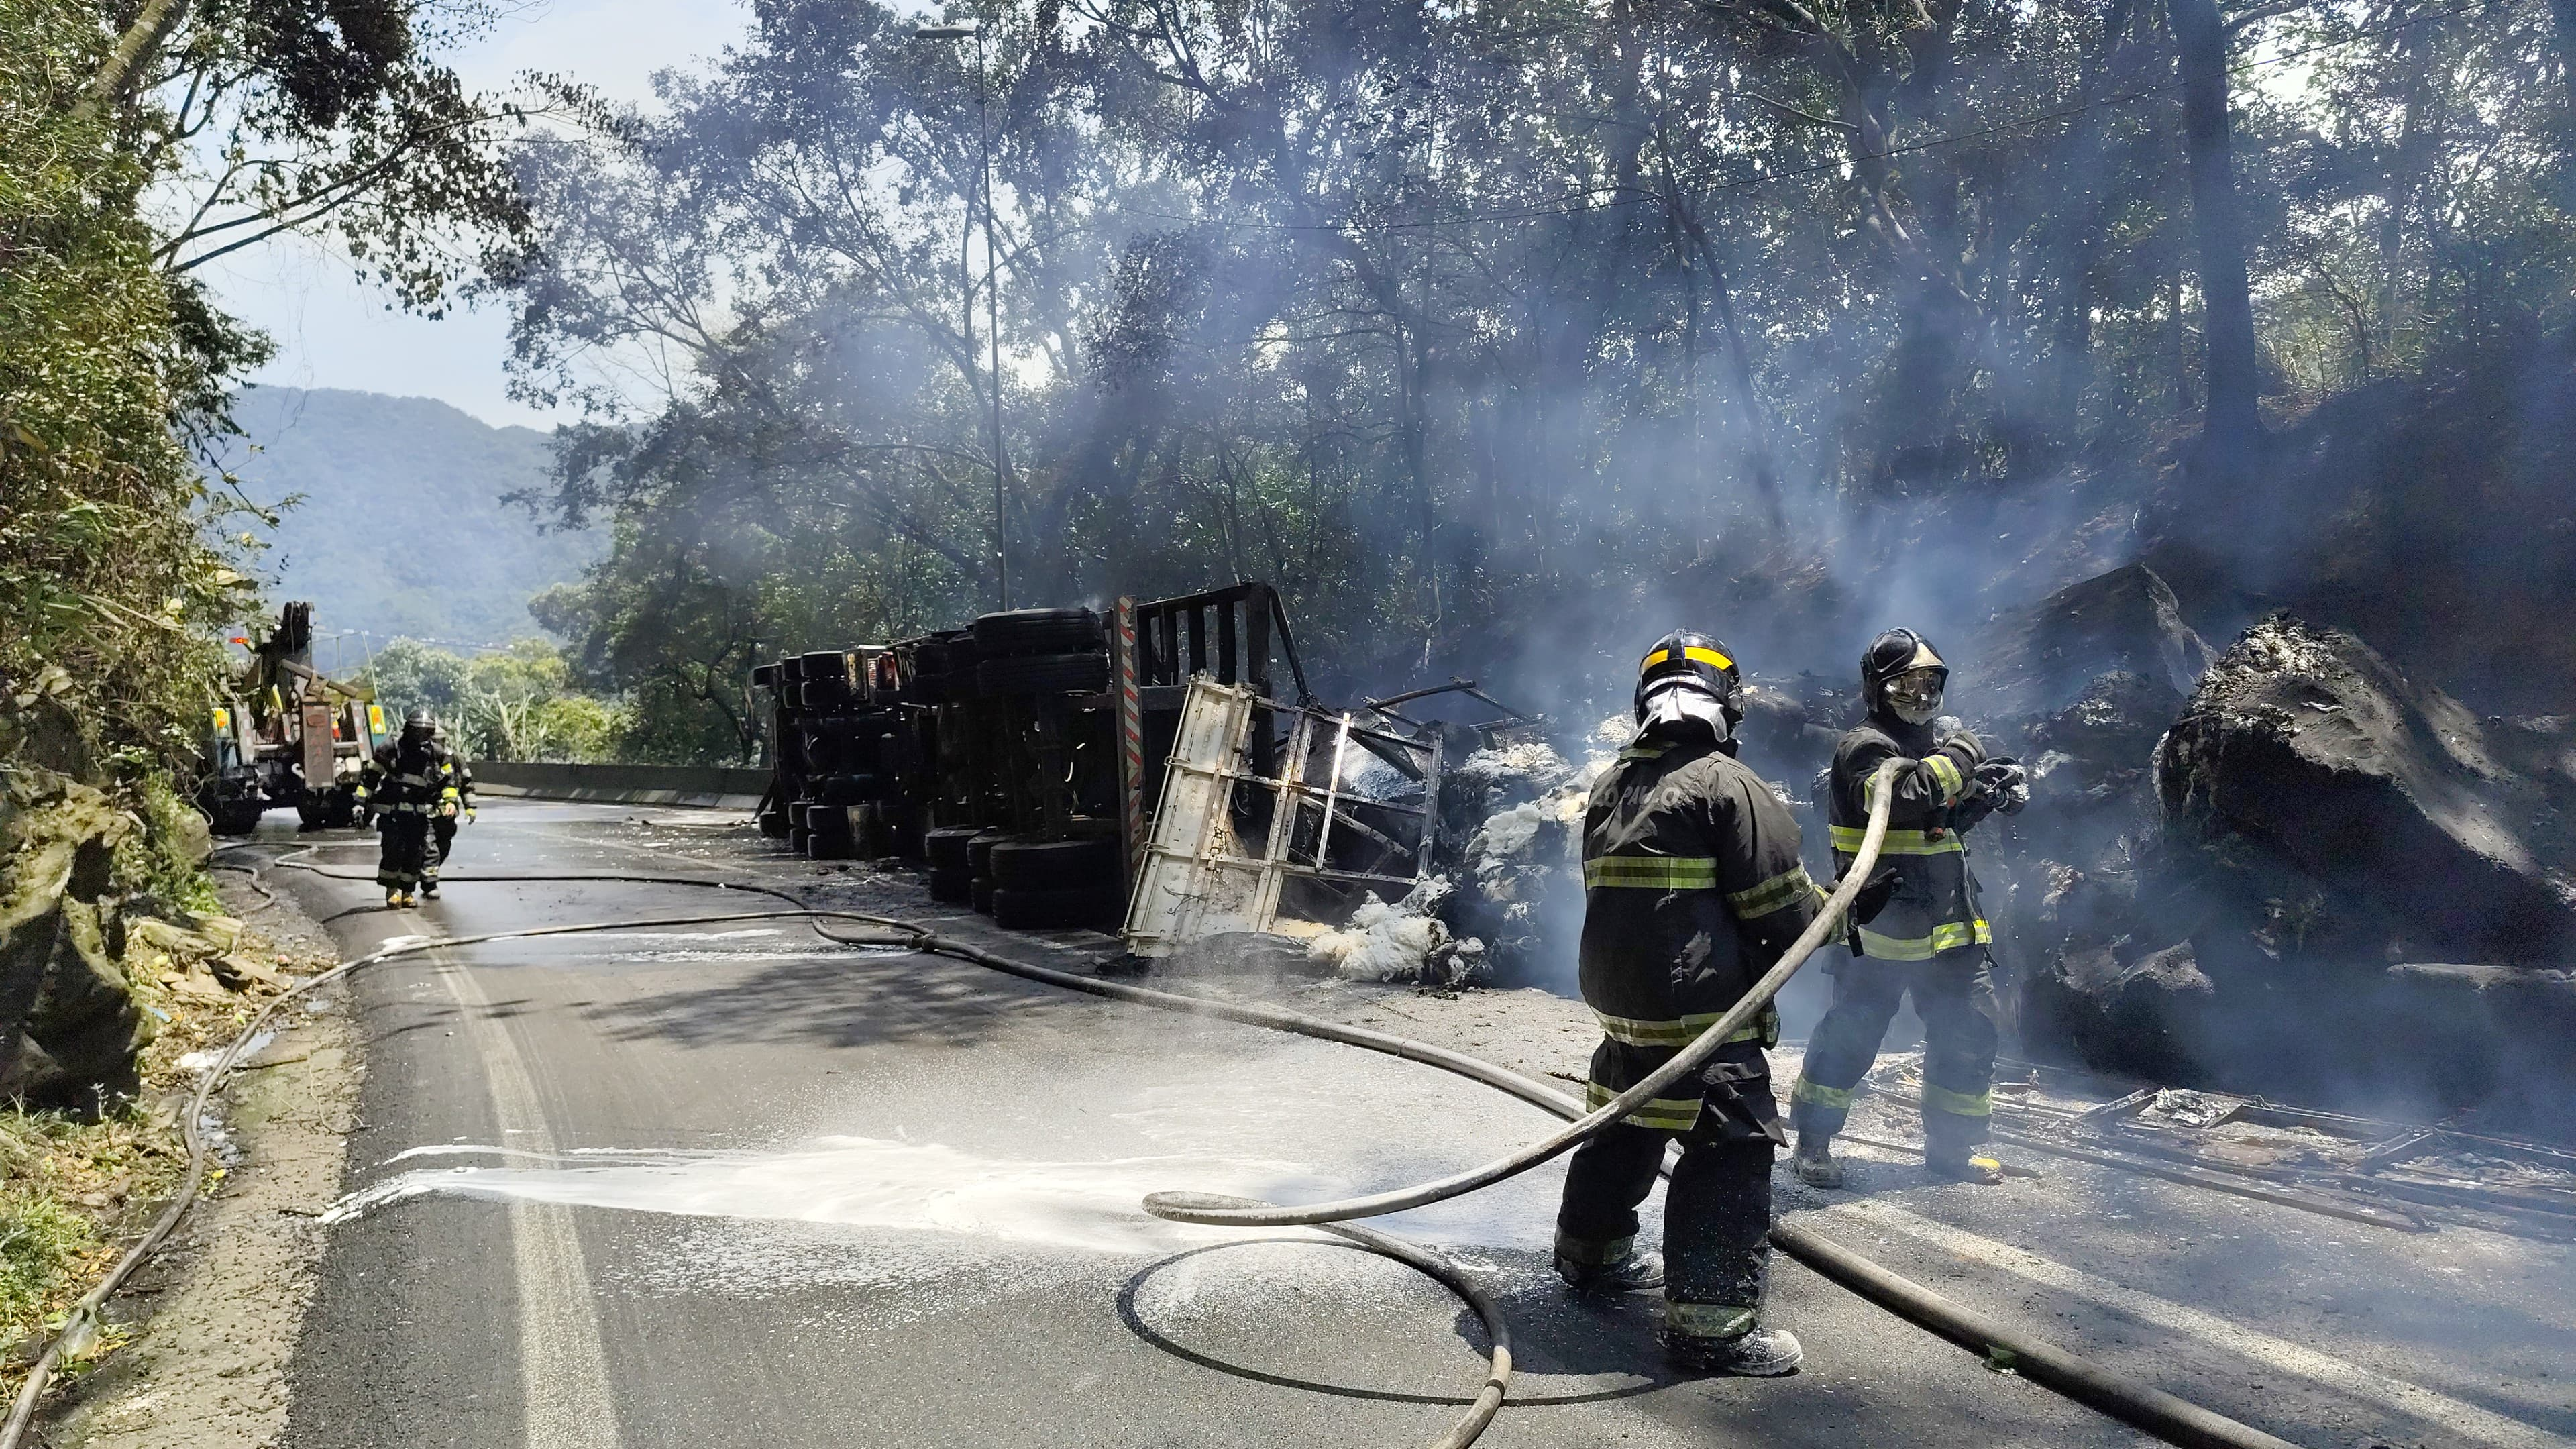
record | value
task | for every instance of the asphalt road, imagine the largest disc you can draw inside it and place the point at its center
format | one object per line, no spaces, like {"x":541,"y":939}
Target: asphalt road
{"x":730,"y":1185}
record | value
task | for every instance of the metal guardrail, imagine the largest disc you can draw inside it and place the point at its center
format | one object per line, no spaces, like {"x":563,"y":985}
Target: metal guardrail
{"x":624,"y":784}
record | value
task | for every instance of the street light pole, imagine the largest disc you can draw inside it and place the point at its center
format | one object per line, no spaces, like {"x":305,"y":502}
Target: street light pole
{"x":992,"y":299}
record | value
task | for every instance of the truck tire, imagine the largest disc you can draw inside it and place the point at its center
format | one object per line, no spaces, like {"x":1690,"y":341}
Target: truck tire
{"x":979,"y":851}
{"x":979,"y":894}
{"x":796,"y":814}
{"x":951,"y":885}
{"x":232,"y":817}
{"x":824,"y":664}
{"x":947,"y":847}
{"x":798,"y":838}
{"x":828,"y":835}
{"x":1054,"y":910}
{"x":1051,"y":865}
{"x":1037,"y":631}
{"x":1043,"y":674}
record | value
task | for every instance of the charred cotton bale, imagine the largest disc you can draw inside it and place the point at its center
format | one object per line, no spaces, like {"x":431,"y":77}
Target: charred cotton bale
{"x":2304,"y":746}
{"x":2144,"y":1016}
{"x":2036,"y":660}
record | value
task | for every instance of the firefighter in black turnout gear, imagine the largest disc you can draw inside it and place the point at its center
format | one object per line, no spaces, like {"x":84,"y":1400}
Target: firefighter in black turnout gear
{"x":401,"y":788}
{"x":455,"y":807}
{"x":1918,"y":926}
{"x":1692,"y":889}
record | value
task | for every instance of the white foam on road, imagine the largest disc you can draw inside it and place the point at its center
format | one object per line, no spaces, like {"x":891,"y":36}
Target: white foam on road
{"x":875,"y":1183}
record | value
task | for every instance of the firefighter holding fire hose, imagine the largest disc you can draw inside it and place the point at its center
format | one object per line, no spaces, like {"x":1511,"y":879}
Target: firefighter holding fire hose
{"x":1692,"y":890}
{"x":1917,"y":928}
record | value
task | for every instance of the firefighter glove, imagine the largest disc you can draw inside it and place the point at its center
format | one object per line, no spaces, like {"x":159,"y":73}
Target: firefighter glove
{"x":1967,"y":743}
{"x":2004,"y":783}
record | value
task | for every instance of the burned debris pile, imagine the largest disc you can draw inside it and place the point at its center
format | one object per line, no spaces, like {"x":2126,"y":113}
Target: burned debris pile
{"x":1515,"y":813}
{"x":2314,"y":878}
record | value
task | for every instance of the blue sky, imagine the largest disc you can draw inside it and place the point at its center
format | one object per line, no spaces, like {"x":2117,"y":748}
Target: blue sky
{"x":332,"y":331}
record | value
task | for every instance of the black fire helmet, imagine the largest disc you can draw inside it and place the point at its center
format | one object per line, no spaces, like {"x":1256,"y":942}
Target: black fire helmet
{"x":1689,"y":666}
{"x":1893,"y":653}
{"x":418,"y":722}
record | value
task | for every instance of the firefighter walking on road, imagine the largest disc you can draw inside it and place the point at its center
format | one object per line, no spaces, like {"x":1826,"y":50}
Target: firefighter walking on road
{"x":1917,"y":928}
{"x":401,"y":788}
{"x":1692,"y":890}
{"x":455,"y":808}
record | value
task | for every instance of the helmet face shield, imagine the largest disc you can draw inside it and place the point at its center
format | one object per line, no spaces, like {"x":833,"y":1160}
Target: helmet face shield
{"x":1915,"y":695}
{"x":1903,"y":674}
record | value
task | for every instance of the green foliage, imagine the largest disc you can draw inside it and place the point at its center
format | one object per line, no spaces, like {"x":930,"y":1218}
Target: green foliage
{"x":63,"y":1185}
{"x":514,"y":704}
{"x":40,"y":1240}
{"x":336,"y":117}
{"x":106,"y":578}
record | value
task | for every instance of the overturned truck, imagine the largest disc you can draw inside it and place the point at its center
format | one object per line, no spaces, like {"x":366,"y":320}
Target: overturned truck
{"x":1139,"y":772}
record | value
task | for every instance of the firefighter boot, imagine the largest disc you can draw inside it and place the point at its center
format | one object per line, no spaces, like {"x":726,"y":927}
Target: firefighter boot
{"x":1973,"y":1167}
{"x":396,"y":899}
{"x":1756,"y":1353}
{"x":1814,"y":1162}
{"x":1635,"y":1273}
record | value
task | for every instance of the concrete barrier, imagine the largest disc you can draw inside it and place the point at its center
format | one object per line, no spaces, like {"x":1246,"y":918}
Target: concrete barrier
{"x":624,"y":784}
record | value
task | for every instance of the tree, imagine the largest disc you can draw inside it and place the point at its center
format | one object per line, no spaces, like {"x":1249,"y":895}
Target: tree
{"x":2233,"y":428}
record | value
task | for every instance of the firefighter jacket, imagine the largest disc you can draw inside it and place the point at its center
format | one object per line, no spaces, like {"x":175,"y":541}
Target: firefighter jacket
{"x":1934,"y":906}
{"x":404,"y":778}
{"x":455,"y":782}
{"x":1692,"y":889}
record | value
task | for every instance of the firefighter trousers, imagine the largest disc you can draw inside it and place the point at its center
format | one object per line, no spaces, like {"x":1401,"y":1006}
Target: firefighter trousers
{"x":405,"y":844}
{"x":1717,"y":1210}
{"x":442,"y":834}
{"x":1954,"y":993}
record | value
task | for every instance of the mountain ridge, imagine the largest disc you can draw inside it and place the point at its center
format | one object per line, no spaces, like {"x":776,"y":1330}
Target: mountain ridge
{"x":400,"y":529}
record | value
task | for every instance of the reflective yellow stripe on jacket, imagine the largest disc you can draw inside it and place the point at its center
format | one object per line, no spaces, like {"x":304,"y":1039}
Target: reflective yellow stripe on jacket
{"x":1949,"y":936}
{"x":1846,"y":839}
{"x":1678,"y":1032}
{"x":1661,"y":1114}
{"x":1776,"y":894}
{"x":1652,"y":872}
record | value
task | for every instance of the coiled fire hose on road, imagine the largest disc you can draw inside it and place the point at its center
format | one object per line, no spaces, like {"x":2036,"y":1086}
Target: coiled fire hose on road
{"x":2172,"y":1419}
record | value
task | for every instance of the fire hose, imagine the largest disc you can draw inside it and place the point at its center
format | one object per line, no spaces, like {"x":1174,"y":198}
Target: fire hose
{"x":2170,"y":1418}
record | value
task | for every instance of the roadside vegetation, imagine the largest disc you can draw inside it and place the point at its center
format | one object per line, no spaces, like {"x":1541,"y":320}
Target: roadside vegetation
{"x":518,"y":703}
{"x":130,"y":158}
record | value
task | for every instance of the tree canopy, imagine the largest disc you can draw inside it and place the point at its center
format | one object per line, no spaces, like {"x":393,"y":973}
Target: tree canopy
{"x":1464,"y":322}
